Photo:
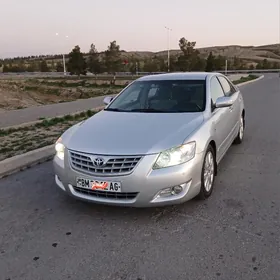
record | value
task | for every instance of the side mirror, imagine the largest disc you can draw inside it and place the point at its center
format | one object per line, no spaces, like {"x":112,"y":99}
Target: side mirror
{"x":223,"y":102}
{"x":107,"y":100}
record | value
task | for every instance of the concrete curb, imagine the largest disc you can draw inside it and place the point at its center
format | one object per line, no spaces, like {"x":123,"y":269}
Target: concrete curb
{"x":251,"y":81}
{"x":21,"y":162}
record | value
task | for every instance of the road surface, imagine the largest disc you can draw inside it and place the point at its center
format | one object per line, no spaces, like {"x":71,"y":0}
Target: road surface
{"x":233,"y":235}
{"x":16,"y":117}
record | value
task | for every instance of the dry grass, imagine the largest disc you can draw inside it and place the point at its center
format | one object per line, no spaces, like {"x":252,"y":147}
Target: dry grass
{"x":16,"y":141}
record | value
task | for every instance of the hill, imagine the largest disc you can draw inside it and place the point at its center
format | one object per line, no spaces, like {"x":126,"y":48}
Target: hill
{"x":250,"y":53}
{"x":242,"y":57}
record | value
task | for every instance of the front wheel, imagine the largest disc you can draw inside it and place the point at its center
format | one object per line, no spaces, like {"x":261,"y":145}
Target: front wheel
{"x":240,"y":136}
{"x":207,"y":174}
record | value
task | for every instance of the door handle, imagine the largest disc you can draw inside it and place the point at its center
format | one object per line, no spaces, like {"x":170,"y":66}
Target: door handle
{"x":231,"y":108}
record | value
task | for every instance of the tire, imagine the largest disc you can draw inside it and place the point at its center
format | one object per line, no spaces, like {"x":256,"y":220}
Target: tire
{"x":240,"y":136}
{"x":206,"y":186}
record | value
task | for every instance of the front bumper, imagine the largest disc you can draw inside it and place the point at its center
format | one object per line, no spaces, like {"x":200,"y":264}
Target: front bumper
{"x":144,"y":182}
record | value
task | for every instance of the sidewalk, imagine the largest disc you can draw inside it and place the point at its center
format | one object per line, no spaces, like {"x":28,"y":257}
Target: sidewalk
{"x":16,"y":117}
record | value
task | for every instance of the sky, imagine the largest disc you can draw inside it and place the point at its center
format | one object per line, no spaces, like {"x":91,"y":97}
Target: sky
{"x":29,"y":27}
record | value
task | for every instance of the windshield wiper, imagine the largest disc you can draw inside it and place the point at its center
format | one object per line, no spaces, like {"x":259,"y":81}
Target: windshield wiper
{"x":148,"y":110}
{"x":115,"y":110}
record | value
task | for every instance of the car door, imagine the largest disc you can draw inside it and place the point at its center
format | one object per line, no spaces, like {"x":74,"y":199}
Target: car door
{"x":235,"y":109}
{"x":220,"y":119}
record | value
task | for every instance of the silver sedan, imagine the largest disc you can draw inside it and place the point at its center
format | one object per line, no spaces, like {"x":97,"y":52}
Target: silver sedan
{"x":158,"y":142}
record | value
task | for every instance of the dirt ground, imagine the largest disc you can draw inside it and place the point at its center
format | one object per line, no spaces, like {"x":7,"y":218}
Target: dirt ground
{"x":23,"y":93}
{"x":12,"y":100}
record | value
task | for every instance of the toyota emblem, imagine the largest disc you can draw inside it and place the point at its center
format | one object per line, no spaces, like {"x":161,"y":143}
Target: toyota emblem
{"x":98,"y":162}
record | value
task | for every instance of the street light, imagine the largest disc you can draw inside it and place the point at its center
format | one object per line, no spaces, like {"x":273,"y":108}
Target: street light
{"x":63,"y":57}
{"x":168,"y":51}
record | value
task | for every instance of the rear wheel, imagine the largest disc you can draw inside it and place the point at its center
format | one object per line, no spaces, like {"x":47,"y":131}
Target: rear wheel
{"x":239,"y":138}
{"x":207,"y":174}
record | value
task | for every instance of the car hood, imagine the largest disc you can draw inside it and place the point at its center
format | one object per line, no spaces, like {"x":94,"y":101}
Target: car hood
{"x":126,"y":133}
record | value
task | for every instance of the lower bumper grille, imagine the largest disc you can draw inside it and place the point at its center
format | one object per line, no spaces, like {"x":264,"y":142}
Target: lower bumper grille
{"x":109,"y":195}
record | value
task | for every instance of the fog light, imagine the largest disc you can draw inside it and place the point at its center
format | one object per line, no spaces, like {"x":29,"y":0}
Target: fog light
{"x":165,"y":192}
{"x":176,"y":190}
{"x":170,"y":191}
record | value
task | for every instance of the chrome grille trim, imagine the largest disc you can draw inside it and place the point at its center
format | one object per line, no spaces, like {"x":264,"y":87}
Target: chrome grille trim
{"x":107,"y":195}
{"x":115,"y":165}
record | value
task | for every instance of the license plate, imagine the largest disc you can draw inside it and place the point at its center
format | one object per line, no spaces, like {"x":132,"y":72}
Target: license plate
{"x":96,"y":185}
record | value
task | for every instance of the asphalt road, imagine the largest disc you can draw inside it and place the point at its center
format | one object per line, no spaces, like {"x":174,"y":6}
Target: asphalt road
{"x":16,"y":117}
{"x":233,"y":235}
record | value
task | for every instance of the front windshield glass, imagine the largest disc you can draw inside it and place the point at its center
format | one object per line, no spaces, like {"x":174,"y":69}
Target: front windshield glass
{"x":164,"y":96}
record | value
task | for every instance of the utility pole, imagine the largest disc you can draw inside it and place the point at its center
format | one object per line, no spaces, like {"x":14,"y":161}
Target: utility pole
{"x":63,"y":58}
{"x":226,"y":68}
{"x":168,"y":50}
{"x":64,"y":65}
{"x":136,"y":68}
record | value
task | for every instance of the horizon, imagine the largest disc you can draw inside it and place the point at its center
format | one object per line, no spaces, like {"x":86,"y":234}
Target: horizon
{"x":163,"y":50}
{"x":86,"y":23}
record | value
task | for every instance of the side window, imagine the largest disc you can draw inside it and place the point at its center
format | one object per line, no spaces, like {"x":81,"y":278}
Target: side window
{"x":228,"y":88}
{"x":216,"y":89}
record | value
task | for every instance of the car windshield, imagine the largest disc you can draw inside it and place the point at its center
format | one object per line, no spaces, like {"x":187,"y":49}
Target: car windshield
{"x":163,"y":96}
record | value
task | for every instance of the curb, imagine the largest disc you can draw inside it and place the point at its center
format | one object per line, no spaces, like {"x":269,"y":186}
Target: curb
{"x":20,"y":162}
{"x":251,"y":81}
{"x":29,"y":159}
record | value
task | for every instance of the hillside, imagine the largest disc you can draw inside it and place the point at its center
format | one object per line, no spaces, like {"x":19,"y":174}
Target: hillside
{"x":248,"y":56}
{"x":250,"y":53}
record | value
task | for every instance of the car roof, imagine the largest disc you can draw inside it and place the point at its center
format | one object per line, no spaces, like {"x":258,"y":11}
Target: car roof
{"x":178,"y":76}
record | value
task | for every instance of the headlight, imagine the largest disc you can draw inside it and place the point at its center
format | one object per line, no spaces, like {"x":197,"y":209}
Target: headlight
{"x":59,"y":147}
{"x":175,"y":156}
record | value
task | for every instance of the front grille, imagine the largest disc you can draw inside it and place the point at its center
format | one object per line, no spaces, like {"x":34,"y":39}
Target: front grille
{"x":116,"y":165}
{"x":110,"y":195}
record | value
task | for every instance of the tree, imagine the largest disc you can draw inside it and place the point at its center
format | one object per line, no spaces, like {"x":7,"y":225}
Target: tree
{"x":259,"y":65}
{"x":59,"y":67}
{"x":93,"y":63}
{"x":251,"y":67}
{"x":6,"y":68}
{"x":266,"y":64}
{"x":43,"y":66}
{"x":76,"y":63}
{"x":186,"y":46}
{"x":112,"y":58}
{"x":150,"y":65}
{"x":31,"y":67}
{"x":134,"y":65}
{"x":236,"y":63}
{"x":276,"y":65}
{"x":198,"y":64}
{"x":189,"y":58}
{"x":219,"y":63}
{"x":210,"y":63}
